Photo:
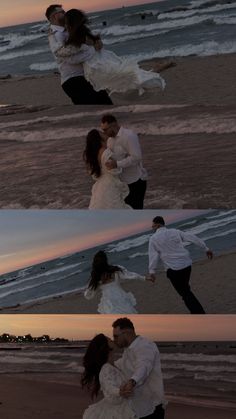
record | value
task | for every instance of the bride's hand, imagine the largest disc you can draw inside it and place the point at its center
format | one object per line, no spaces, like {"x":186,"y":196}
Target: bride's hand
{"x":150,"y":277}
{"x":111,"y":164}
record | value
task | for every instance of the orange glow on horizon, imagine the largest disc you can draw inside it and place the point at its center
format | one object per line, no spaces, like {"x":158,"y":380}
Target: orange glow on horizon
{"x":156,"y":327}
{"x":14,"y":13}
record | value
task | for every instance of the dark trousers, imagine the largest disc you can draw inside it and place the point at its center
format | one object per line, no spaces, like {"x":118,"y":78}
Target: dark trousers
{"x":159,"y":413}
{"x":136,"y":194}
{"x":180,"y":281}
{"x":82,"y":92}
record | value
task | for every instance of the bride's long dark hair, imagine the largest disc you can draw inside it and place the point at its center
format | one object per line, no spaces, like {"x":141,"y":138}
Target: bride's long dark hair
{"x":101,"y":269}
{"x":94,"y":142}
{"x":77,"y":26}
{"x":95,"y":357}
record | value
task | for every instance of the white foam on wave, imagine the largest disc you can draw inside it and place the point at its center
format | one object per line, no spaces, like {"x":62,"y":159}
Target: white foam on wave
{"x":137,"y":255}
{"x":217,"y":378}
{"x":168,"y":126}
{"x":220,"y":215}
{"x":182,"y":14}
{"x":223,"y":234}
{"x":214,"y":224}
{"x":118,"y":30}
{"x":43,"y":66}
{"x":118,"y":40}
{"x":43,"y":135}
{"x":17,"y":40}
{"x":225,"y":20}
{"x":198,"y":357}
{"x":129,"y":243}
{"x":38,"y":276}
{"x":82,"y":115}
{"x":206,"y":48}
{"x":25,"y":53}
{"x":12,"y":359}
{"x":199,"y":367}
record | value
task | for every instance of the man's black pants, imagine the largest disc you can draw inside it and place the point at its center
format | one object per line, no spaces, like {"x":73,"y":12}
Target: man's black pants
{"x":81,"y":92}
{"x":180,"y":281}
{"x":136,"y":194}
{"x":159,"y":413}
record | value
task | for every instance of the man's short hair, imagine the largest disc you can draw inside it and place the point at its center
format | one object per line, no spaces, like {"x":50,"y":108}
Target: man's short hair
{"x":158,"y":220}
{"x":108,"y":118}
{"x":123,"y":323}
{"x":51,"y":9}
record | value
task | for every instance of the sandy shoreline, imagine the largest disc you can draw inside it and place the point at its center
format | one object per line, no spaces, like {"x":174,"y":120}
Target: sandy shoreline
{"x":211,"y":281}
{"x":44,"y":399}
{"x":195,"y":80}
{"x":186,"y":149}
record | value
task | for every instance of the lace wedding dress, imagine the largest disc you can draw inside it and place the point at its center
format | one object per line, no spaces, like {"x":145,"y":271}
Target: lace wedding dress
{"x":109,"y":191}
{"x":105,"y":70}
{"x":114,"y":299}
{"x":112,"y":406}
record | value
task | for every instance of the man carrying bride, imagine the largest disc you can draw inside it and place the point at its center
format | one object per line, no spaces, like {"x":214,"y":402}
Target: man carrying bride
{"x":73,"y":44}
{"x":132,"y":385}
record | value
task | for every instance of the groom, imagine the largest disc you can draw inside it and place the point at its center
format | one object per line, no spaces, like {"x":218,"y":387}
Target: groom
{"x":141,"y":366}
{"x":168,"y":245}
{"x":126,"y":147}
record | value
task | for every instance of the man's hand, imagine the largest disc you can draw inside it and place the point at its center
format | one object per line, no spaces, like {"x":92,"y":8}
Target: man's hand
{"x":111,"y":164}
{"x":209,"y":254}
{"x":126,"y":390}
{"x":98,"y":45}
{"x":150,"y":277}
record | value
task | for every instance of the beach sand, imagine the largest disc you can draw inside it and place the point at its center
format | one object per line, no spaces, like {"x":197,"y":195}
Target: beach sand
{"x":195,"y":80}
{"x":33,"y":396}
{"x":188,"y":151}
{"x":213,"y":283}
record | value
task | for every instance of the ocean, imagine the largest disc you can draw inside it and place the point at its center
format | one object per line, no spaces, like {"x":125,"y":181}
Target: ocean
{"x":199,"y":373}
{"x":70,"y":273}
{"x":169,"y":28}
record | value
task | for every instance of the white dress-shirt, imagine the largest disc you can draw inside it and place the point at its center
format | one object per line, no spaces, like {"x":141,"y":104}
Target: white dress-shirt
{"x":69,"y":66}
{"x":168,"y":245}
{"x":128,"y":154}
{"x":141,"y":362}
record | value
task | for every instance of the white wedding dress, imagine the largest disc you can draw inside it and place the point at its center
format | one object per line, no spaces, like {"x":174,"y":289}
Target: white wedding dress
{"x":114,"y":299}
{"x":109,"y":192}
{"x":105,"y":70}
{"x":112,"y":406}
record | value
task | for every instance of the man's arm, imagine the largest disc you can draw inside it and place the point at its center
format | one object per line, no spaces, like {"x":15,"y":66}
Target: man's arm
{"x":145,"y":358}
{"x":153,"y":256}
{"x":192,"y":238}
{"x":134,"y":152}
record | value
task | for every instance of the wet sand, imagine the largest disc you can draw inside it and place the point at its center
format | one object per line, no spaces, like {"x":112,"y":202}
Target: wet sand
{"x":194,"y":80}
{"x":213,"y":283}
{"x":189,"y":152}
{"x":32,"y":396}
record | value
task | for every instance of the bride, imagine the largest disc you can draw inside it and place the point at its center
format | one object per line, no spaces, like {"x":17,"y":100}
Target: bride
{"x":106,"y":279}
{"x":101,"y":373}
{"x":108,"y":190}
{"x":104,"y":69}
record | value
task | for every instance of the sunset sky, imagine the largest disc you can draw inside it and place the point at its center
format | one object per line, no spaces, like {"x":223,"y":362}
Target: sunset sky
{"x":14,"y":12}
{"x":28,"y":237}
{"x":156,"y":327}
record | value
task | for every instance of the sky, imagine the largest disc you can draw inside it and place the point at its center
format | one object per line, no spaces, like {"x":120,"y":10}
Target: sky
{"x":14,"y":12}
{"x":28,"y":237}
{"x":156,"y":327}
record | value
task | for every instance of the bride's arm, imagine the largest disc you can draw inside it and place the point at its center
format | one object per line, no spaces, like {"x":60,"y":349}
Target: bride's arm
{"x":126,"y":275}
{"x":90,"y":293}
